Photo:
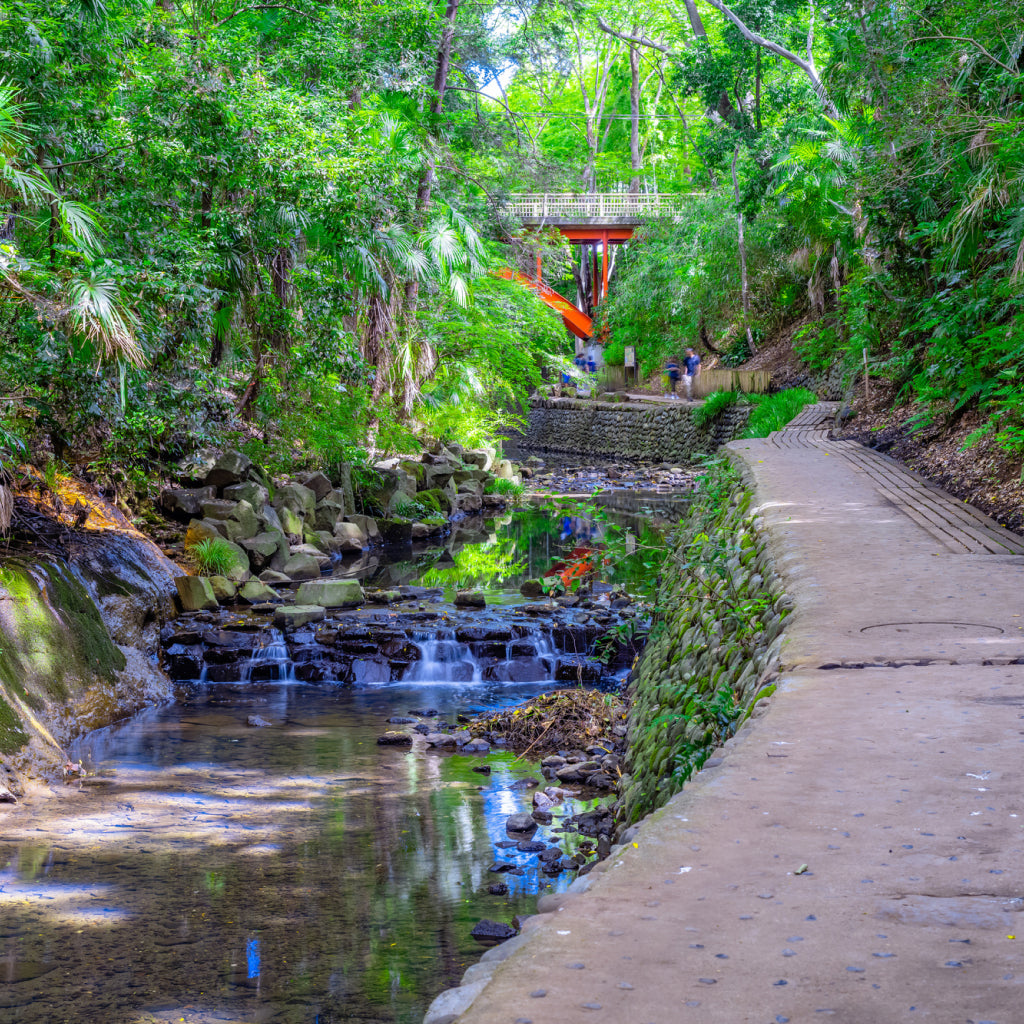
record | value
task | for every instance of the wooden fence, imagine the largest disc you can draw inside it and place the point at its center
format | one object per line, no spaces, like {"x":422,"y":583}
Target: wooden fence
{"x":613,"y":378}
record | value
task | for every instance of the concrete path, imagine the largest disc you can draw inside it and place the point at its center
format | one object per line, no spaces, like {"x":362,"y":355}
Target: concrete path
{"x":858,"y":854}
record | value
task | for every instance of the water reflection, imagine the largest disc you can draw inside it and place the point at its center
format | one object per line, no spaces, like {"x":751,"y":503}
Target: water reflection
{"x":292,"y":873}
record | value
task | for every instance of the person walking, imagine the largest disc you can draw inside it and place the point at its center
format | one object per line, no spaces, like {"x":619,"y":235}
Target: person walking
{"x":691,"y":368}
{"x":672,"y":373}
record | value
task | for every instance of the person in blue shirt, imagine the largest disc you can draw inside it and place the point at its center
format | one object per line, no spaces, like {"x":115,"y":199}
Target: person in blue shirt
{"x":672,"y":372}
{"x":691,"y":367}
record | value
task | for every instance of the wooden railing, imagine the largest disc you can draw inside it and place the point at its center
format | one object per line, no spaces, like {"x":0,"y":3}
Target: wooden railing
{"x":560,"y":205}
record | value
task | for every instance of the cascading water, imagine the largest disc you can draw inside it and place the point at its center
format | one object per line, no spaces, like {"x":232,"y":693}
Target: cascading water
{"x":443,"y":660}
{"x":271,"y":662}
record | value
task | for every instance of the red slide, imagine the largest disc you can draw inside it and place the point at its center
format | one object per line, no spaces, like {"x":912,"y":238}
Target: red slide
{"x":578,"y":322}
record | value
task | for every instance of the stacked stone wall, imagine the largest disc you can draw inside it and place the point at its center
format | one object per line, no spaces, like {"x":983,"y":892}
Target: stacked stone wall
{"x":648,"y":431}
{"x":721,"y":611}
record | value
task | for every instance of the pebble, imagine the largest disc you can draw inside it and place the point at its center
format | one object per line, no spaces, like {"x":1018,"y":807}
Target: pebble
{"x":591,"y":1006}
{"x":538,"y":993}
{"x":625,"y":985}
{"x":708,"y":981}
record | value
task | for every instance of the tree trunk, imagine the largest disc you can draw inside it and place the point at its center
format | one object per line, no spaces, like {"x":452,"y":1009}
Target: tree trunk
{"x":695,"y":20}
{"x":744,"y":286}
{"x":634,"y":118}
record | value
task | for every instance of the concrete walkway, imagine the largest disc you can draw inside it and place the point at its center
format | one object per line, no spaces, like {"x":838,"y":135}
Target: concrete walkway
{"x":858,"y":854}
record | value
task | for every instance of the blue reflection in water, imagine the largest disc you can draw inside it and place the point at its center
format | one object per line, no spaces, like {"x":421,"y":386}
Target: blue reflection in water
{"x":252,"y":957}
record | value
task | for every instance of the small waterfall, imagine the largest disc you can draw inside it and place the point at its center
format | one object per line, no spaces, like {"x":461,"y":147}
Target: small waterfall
{"x":271,"y":662}
{"x":443,"y":660}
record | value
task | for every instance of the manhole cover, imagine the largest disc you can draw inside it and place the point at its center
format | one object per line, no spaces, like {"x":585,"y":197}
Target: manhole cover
{"x":912,"y":630}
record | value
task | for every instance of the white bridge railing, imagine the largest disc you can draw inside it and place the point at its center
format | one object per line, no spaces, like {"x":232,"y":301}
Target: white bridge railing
{"x":561,"y":205}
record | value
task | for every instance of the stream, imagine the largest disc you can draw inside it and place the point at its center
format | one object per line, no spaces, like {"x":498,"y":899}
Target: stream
{"x":208,"y":870}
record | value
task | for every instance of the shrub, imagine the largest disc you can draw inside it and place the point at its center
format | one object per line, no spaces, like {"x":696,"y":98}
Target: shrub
{"x":773,"y":412}
{"x":715,"y":403}
{"x":213,"y":556}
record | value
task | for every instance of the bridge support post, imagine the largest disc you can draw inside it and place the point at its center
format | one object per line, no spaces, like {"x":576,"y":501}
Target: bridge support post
{"x":540,"y":279}
{"x":604,"y":263}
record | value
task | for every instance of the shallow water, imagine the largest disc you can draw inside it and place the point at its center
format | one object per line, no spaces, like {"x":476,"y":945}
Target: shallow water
{"x":213,"y":871}
{"x":217,"y":872}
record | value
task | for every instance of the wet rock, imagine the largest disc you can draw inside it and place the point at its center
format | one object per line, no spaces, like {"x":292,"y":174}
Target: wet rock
{"x":422,"y":729}
{"x":369,"y":670}
{"x":519,"y":670}
{"x":577,"y":670}
{"x":331,"y":593}
{"x":520,"y":823}
{"x":539,"y":609}
{"x":256,"y":592}
{"x":195,"y":593}
{"x":401,"y":720}
{"x":470,"y":599}
{"x":424,"y":712}
{"x":182,"y":663}
{"x":383,"y":597}
{"x":394,"y":739}
{"x":256,"y":722}
{"x":600,"y":780}
{"x":531,"y":589}
{"x":521,"y":784}
{"x":542,"y":816}
{"x":550,"y":854}
{"x":500,"y":889}
{"x":502,"y":867}
{"x":293,"y":616}
{"x":476,"y":747}
{"x":531,"y":846}
{"x":490,"y":933}
{"x":553,"y":761}
{"x":483,"y":769}
{"x":570,"y":773}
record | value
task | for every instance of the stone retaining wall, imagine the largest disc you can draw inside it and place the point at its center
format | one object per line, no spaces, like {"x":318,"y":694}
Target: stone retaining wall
{"x":648,"y":431}
{"x":712,"y":653}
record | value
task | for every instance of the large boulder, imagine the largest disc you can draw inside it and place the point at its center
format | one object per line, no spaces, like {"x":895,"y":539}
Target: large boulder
{"x":239,"y":568}
{"x":223,"y":588}
{"x":368,"y":526}
{"x":469,"y":503}
{"x":296,"y":497}
{"x":264,"y":547}
{"x":270,"y":520}
{"x":242,"y":522}
{"x":482,"y":458}
{"x":330,"y":510}
{"x":349,"y":536}
{"x":504,"y":470}
{"x":391,"y":482}
{"x":231,"y":468}
{"x":330,"y":593}
{"x":291,"y":521}
{"x":195,"y":593}
{"x":217,"y":509}
{"x":200,"y":530}
{"x":301,"y":566}
{"x":184,"y":503}
{"x":294,"y":615}
{"x":437,"y":475}
{"x":257,"y":592}
{"x":248,"y":491}
{"x":317,"y":483}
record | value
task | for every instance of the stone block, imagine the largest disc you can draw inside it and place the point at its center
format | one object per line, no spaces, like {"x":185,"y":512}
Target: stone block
{"x":368,"y":526}
{"x":294,"y":615}
{"x":257,"y":592}
{"x":195,"y":593}
{"x":242,"y":522}
{"x":231,"y":468}
{"x":248,"y":491}
{"x":331,"y":593}
{"x":482,"y":458}
{"x":200,"y":530}
{"x":223,"y":588}
{"x":301,"y":567}
{"x":264,"y":547}
{"x":182,"y":502}
{"x":291,"y":521}
{"x":350,"y":537}
{"x":317,"y":483}
{"x":296,"y":497}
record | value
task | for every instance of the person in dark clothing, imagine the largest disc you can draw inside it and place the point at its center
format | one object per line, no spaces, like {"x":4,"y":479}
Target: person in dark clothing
{"x":691,"y":367}
{"x":673,"y":373}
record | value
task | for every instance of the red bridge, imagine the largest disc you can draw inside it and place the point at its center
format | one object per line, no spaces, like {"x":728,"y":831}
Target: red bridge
{"x":594,"y":221}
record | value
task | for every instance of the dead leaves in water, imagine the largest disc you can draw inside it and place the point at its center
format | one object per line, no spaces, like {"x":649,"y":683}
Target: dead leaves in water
{"x":561,"y":719}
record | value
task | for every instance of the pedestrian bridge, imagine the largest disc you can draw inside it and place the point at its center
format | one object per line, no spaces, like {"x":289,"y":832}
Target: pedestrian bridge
{"x":596,"y":209}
